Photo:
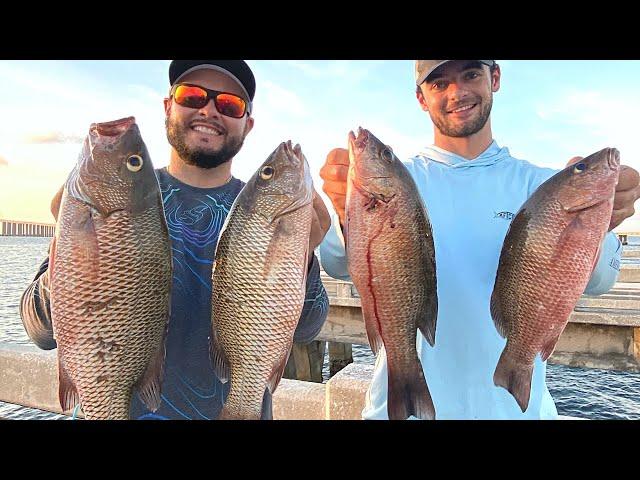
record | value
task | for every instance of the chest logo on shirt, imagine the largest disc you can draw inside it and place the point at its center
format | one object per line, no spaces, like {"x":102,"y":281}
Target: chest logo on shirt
{"x":615,"y":264}
{"x":503,"y":215}
{"x":191,"y":217}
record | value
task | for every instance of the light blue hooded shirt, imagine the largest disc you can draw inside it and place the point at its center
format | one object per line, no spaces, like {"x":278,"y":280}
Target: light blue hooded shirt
{"x":470,"y":204}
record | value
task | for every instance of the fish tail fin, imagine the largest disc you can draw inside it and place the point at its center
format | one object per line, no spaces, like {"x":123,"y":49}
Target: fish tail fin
{"x":515,"y":377}
{"x":409,"y":395}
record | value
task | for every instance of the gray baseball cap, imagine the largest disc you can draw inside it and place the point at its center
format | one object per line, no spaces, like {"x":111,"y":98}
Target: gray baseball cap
{"x":425,"y":67}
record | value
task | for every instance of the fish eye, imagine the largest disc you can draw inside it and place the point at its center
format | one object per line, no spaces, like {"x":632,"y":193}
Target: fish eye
{"x":134,"y":163}
{"x":267,"y":172}
{"x":387,"y":155}
{"x":579,"y":168}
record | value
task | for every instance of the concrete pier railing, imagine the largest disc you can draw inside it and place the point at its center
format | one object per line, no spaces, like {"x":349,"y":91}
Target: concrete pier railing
{"x":29,"y":377}
{"x":603,"y":332}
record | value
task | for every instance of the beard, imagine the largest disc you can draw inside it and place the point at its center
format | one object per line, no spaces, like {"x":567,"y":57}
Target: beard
{"x":199,"y":157}
{"x":466,"y":129}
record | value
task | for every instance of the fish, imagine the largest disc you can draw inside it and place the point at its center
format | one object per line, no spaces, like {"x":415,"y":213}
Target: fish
{"x":547,"y":258}
{"x":111,"y":271}
{"x":391,"y":260}
{"x":259,"y":281}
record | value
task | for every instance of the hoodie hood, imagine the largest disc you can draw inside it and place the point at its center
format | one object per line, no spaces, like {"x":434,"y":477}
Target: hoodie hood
{"x":493,"y":154}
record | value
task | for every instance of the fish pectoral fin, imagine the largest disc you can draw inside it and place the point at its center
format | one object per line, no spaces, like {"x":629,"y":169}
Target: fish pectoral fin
{"x":277,"y":253}
{"x":548,"y":348}
{"x":67,"y":392}
{"x":52,"y":256}
{"x":218,"y":358}
{"x":427,"y":321}
{"x":149,"y":386}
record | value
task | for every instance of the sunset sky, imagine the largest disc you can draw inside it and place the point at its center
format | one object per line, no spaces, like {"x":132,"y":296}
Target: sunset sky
{"x":545,"y":112}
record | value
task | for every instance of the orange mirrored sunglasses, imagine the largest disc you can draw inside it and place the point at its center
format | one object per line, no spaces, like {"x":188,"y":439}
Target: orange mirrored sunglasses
{"x":195,"y":96}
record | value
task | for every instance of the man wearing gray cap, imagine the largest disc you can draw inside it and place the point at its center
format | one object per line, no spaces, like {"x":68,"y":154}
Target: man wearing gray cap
{"x":208,"y":114}
{"x":472,"y":188}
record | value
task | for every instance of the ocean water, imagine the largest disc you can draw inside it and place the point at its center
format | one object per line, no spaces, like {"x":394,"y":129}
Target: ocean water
{"x":578,"y":392}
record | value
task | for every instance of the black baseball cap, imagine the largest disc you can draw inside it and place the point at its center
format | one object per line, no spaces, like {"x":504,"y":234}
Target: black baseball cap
{"x":236,"y":69}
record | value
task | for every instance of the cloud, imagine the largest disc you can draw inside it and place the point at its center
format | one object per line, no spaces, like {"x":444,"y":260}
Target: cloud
{"x":3,"y":161}
{"x":603,"y":116}
{"x":280,"y":101}
{"x":350,"y":70}
{"x":309,"y":69}
{"x":53,"y":137}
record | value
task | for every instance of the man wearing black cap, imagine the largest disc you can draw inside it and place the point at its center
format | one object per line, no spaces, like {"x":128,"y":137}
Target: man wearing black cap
{"x":472,"y":188}
{"x":208,"y":115}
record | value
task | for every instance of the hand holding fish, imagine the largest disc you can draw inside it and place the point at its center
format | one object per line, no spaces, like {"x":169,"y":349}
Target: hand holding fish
{"x":334,"y":175}
{"x":627,"y":192}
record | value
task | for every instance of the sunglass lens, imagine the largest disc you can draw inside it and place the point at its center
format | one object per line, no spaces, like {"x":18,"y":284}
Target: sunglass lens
{"x":192,"y":97}
{"x":230,"y":105}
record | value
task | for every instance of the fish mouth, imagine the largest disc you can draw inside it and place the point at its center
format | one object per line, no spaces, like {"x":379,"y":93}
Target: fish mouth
{"x":303,"y":195}
{"x":613,"y":158}
{"x":294,"y":153}
{"x":294,"y":156}
{"x":359,"y":143}
{"x":114,"y":128}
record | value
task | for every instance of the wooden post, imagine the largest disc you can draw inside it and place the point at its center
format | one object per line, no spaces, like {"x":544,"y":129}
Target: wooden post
{"x":636,"y":343}
{"x":305,"y":362}
{"x":340,"y":356}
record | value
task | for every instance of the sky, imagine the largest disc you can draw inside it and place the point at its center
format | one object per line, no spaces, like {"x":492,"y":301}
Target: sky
{"x":545,"y":112}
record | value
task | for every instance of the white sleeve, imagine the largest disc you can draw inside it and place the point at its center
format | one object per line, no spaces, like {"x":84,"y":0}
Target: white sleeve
{"x":606,"y":273}
{"x":332,"y":252}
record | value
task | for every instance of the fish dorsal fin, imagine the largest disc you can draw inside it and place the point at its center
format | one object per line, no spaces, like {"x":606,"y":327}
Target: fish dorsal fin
{"x":501,"y":323}
{"x":267,"y":406}
{"x":596,"y":258}
{"x":548,"y":348}
{"x":373,"y":335}
{"x":428,"y":316}
{"x":67,"y":392}
{"x":218,"y":358}
{"x":506,"y":266}
{"x":278,"y":371}
{"x":149,"y":386}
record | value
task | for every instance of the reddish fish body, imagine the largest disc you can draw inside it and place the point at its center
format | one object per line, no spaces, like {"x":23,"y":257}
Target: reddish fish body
{"x":111,"y":276}
{"x":391,"y":260}
{"x":547,"y":258}
{"x":259,"y":281}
